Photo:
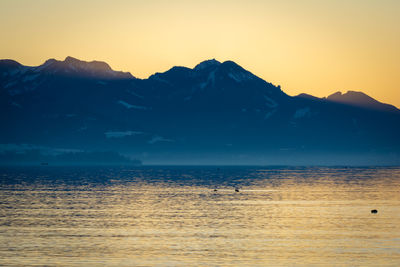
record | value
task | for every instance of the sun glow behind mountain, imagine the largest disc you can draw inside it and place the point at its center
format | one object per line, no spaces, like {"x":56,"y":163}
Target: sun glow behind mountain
{"x":317,"y":47}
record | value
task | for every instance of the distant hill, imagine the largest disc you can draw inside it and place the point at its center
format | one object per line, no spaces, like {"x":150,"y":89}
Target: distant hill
{"x":359,"y":99}
{"x":214,"y":113}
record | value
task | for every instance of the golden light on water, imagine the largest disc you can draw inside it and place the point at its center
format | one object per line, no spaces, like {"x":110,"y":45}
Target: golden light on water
{"x":310,"y":46}
{"x":150,"y":217}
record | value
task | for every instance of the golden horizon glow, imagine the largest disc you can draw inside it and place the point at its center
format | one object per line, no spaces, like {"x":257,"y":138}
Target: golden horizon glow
{"x":310,"y":46}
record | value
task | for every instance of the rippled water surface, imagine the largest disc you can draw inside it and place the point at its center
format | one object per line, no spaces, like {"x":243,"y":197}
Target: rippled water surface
{"x":171,"y":216}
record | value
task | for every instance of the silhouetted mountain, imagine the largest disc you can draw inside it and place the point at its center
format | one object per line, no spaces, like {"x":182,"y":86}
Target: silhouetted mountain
{"x":7,"y":65}
{"x":360,"y":99}
{"x":214,"y":113}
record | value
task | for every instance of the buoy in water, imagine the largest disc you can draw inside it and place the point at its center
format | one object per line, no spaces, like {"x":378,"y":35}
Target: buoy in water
{"x":374,"y":211}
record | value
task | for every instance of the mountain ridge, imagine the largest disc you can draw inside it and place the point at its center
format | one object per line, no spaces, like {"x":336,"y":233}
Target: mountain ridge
{"x":213,"y":112}
{"x":102,"y":70}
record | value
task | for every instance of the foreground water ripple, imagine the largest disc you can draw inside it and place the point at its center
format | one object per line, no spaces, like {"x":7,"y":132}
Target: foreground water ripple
{"x":192,"y":216}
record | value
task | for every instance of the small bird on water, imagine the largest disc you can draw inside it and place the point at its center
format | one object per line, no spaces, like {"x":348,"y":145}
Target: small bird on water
{"x":236,"y":189}
{"x":374,"y":211}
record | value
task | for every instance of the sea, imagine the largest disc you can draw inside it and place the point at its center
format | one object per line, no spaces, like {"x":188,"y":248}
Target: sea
{"x":199,"y":216}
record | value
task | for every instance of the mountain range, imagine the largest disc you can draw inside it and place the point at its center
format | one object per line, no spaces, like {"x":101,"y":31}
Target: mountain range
{"x":214,"y":113}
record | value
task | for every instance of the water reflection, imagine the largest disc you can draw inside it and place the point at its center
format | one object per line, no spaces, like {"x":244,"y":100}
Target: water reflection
{"x":172,"y":216}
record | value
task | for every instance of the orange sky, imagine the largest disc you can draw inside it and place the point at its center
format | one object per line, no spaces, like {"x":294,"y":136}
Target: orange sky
{"x":312,"y":46}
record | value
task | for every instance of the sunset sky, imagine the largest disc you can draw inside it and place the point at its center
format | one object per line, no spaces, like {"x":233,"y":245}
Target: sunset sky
{"x":311,"y":46}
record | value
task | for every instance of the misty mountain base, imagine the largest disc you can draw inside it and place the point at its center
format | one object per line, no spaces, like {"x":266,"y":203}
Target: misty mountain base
{"x":40,"y":157}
